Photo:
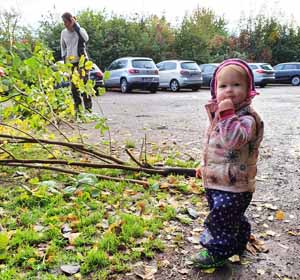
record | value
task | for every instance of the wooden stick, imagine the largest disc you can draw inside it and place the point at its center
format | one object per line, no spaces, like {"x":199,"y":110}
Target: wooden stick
{"x":63,"y":170}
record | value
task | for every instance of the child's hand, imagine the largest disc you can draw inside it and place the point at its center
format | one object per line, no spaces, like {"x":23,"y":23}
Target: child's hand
{"x":225,"y":104}
{"x":198,"y":172}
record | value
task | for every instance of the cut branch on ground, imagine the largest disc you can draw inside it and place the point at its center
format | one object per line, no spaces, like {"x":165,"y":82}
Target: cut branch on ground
{"x":75,"y":160}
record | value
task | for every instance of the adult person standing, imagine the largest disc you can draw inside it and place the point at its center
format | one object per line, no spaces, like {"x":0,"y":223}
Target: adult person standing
{"x":73,"y":45}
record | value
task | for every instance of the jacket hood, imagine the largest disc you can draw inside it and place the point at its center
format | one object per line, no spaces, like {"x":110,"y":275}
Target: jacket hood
{"x":213,"y":85}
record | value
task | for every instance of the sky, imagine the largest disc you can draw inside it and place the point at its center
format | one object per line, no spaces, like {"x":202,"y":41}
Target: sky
{"x":232,"y":10}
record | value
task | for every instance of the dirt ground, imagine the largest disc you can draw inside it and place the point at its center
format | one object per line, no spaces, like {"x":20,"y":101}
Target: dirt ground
{"x":178,"y":120}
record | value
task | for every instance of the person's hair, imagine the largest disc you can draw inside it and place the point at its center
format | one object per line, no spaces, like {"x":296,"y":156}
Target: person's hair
{"x":235,"y":69}
{"x":67,"y":16}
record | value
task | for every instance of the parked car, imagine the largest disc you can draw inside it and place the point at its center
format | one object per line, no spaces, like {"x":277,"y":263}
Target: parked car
{"x":288,"y":73}
{"x":129,"y":73}
{"x":208,"y":72}
{"x":177,"y":74}
{"x":263,"y":73}
{"x":95,"y":74}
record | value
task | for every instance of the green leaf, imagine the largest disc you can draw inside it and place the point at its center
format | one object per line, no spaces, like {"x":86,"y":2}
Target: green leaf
{"x":69,"y":189}
{"x":106,"y":75}
{"x":87,"y":178}
{"x":3,"y":241}
{"x":48,"y":184}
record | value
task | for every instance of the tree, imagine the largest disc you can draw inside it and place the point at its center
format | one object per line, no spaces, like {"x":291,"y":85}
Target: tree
{"x":11,"y":31}
{"x":194,"y":39}
{"x":49,"y":33}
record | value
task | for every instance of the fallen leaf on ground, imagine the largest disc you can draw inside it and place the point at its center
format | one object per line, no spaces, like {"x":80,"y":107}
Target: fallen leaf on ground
{"x":255,"y":246}
{"x":209,"y":270}
{"x":294,"y":233}
{"x":270,"y":206}
{"x":193,"y":240}
{"x":271,"y":232}
{"x":279,"y":215}
{"x":172,"y":180}
{"x":165,"y":263}
{"x":71,"y":237}
{"x":235,"y":259}
{"x":146,"y":272}
{"x":129,"y":192}
{"x":164,"y":185}
{"x":183,"y":271}
{"x":70,"y":269}
{"x":260,"y":272}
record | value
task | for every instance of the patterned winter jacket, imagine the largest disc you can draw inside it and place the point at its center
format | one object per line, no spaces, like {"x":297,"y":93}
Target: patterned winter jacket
{"x":231,"y":145}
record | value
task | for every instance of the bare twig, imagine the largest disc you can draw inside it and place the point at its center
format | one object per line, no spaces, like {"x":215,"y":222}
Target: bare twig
{"x":63,"y":170}
{"x":46,"y":99}
{"x":141,"y":151}
{"x":133,"y":158}
{"x":45,"y":118}
{"x":145,"y":148}
{"x":161,"y":171}
{"x":12,"y":96}
{"x":7,"y":125}
{"x":83,"y":164}
{"x":20,"y":91}
{"x":108,"y":129}
{"x":8,"y":152}
{"x":26,"y":188}
{"x":65,"y":122}
{"x":146,"y":162}
{"x":76,"y":146}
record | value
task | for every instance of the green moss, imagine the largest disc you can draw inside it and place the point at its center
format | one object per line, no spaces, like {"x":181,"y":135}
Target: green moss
{"x":95,"y":260}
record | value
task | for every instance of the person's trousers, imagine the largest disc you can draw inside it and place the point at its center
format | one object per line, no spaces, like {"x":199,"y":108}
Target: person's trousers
{"x":227,"y":230}
{"x":87,"y":100}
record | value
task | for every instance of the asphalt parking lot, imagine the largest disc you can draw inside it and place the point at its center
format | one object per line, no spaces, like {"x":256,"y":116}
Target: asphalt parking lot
{"x":179,"y":119}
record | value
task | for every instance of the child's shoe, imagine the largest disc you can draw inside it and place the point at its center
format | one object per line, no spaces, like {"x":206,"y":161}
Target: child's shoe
{"x":204,"y":260}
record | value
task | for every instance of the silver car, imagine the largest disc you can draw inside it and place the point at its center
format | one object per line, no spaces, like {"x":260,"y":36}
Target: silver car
{"x":129,"y":73}
{"x":263,"y":73}
{"x":177,"y":74}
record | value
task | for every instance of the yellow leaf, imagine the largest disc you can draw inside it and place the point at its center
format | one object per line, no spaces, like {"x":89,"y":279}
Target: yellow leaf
{"x":209,"y":270}
{"x":51,"y":136}
{"x":4,"y":156}
{"x":279,"y":215}
{"x":88,"y":65}
{"x":172,"y":180}
{"x":129,"y":192}
{"x":55,"y":154}
{"x":71,"y":57}
{"x":164,"y":185}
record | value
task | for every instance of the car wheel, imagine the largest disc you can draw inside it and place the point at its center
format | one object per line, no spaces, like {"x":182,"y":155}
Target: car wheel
{"x":174,"y":85}
{"x":195,"y":88}
{"x":153,"y":90}
{"x":262,"y":85}
{"x":295,"y":81}
{"x":124,"y":86}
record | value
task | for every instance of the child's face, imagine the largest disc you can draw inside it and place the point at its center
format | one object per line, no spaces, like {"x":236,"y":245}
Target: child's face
{"x":232,"y":85}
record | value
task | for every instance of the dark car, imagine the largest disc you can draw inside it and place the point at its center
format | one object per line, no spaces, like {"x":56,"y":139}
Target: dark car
{"x":95,"y":74}
{"x":207,"y":72}
{"x":288,"y":73}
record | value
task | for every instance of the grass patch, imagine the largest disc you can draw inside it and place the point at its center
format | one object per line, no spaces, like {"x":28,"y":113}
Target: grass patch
{"x":111,"y":225}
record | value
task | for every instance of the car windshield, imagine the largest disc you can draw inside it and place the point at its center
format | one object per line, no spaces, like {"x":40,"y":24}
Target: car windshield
{"x":266,"y":67}
{"x":143,"y":63}
{"x":189,"y":65}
